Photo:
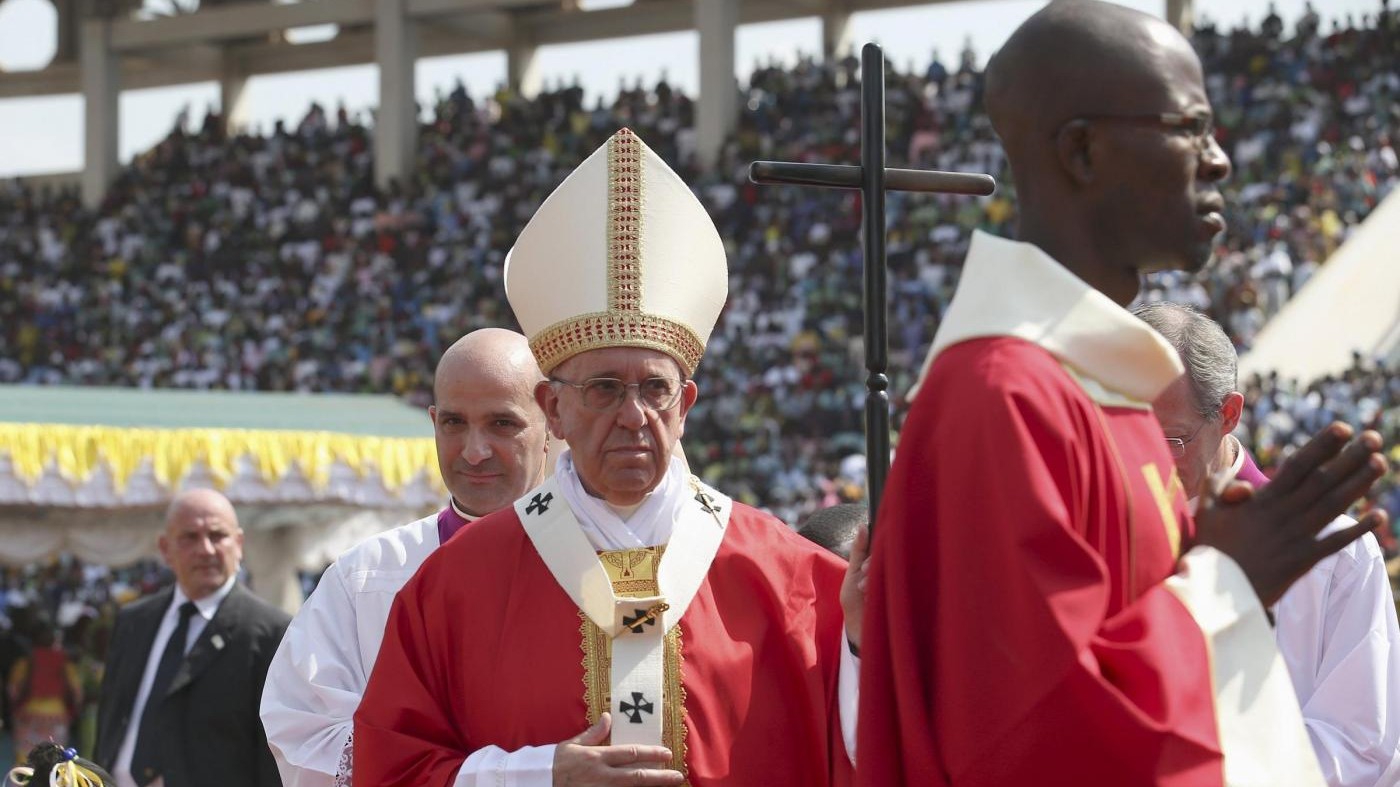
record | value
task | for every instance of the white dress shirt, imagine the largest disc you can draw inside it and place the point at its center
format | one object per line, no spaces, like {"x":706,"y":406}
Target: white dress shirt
{"x":204,"y":612}
{"x":1336,"y":630}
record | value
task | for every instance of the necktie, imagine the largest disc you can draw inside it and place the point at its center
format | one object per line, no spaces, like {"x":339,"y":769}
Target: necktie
{"x":145,"y":760}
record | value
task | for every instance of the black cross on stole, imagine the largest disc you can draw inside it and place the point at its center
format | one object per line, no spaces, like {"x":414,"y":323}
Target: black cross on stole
{"x":539,"y":503}
{"x":636,"y":707}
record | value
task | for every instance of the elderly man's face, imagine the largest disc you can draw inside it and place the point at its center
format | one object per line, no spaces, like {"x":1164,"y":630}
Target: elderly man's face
{"x":1193,"y":440}
{"x":621,"y":453}
{"x":202,"y":544}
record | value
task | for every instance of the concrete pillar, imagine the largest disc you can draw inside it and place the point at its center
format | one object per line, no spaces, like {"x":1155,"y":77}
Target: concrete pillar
{"x":396,"y":125}
{"x":718,"y":109}
{"x":1182,"y":15}
{"x":522,"y":67}
{"x":69,"y":30}
{"x":836,"y":29}
{"x":101,"y":91}
{"x":269,"y":556}
{"x":233,"y":95}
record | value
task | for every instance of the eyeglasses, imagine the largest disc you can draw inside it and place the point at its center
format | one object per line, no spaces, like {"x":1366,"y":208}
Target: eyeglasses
{"x":1200,"y":125}
{"x":1177,"y":445}
{"x":605,"y":393}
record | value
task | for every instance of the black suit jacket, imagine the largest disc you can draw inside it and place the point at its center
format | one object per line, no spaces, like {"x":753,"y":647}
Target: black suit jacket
{"x":210,"y":732}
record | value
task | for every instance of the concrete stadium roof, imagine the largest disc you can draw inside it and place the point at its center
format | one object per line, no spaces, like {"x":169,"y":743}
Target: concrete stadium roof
{"x":247,"y":36}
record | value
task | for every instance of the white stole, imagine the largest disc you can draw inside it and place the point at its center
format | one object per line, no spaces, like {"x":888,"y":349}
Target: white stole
{"x":636,"y":627}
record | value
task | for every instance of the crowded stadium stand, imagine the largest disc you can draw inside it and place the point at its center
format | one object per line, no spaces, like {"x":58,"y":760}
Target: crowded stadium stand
{"x":275,"y":263}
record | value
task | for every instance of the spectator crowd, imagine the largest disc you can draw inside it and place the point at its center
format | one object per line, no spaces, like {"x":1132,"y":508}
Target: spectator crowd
{"x":55,"y":620}
{"x":272,"y":262}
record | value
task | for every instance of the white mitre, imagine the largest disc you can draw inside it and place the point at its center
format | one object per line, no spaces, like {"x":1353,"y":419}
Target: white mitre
{"x":622,"y":254}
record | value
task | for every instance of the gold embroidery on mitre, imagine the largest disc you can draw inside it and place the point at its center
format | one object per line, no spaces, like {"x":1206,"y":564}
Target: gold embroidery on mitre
{"x":624,"y":222}
{"x":634,"y":575}
{"x":624,"y":323}
{"x":567,"y":338}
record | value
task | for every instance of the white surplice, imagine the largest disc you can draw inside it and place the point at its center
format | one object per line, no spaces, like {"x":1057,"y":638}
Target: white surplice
{"x":1337,"y":632}
{"x":1338,"y":635}
{"x":1336,"y":629}
{"x":320,"y":670}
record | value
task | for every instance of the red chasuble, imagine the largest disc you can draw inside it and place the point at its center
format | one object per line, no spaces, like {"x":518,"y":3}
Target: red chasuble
{"x":1017,"y":630}
{"x":1031,"y":617}
{"x":484,"y":648}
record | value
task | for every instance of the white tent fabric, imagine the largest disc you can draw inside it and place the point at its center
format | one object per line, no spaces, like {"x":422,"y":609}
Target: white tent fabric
{"x":247,"y":485}
{"x":279,"y":540}
{"x":1352,"y":304}
{"x":30,"y":541}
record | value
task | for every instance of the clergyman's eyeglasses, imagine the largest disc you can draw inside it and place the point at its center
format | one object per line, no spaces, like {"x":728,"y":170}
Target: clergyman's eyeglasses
{"x":1177,"y":445}
{"x":605,"y":393}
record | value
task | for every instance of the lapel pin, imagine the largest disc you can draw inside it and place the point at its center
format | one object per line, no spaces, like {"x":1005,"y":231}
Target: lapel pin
{"x":217,"y":641}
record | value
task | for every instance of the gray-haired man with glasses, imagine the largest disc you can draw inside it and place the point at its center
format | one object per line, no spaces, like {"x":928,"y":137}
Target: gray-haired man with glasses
{"x":1335,"y":627}
{"x":624,"y":623}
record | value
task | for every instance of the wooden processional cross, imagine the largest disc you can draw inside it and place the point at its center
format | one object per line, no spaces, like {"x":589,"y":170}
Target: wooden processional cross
{"x":872,"y":179}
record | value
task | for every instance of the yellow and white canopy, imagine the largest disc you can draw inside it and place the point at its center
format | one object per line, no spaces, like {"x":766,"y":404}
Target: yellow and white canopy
{"x":88,"y":471}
